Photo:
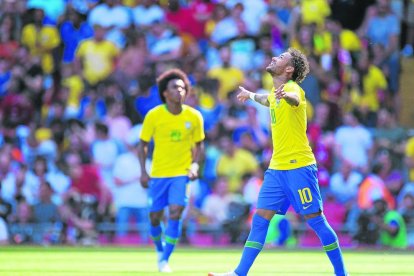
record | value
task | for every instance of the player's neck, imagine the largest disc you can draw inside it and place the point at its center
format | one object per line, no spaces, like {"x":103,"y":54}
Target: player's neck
{"x":174,"y":108}
{"x":279,"y":80}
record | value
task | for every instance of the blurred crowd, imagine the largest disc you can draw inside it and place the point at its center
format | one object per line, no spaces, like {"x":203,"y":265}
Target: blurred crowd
{"x":77,"y":78}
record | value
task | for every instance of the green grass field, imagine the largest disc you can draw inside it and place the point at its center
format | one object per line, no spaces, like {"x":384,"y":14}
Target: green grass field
{"x":188,"y":261}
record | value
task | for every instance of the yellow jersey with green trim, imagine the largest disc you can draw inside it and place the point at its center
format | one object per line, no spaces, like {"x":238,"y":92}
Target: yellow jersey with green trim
{"x":291,"y":148}
{"x":174,"y":136}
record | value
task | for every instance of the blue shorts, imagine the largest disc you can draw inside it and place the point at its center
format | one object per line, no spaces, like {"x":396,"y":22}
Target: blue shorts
{"x":168,"y":190}
{"x":298,"y":187}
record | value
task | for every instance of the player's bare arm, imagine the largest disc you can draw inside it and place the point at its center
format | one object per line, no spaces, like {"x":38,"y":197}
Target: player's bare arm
{"x":291,"y":98}
{"x":197,"y":151}
{"x":245,"y":94}
{"x":142,"y":156}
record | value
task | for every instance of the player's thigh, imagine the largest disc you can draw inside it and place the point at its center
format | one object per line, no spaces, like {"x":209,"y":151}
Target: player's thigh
{"x":302,"y":189}
{"x":272,"y":195}
{"x":158,"y":193}
{"x":179,"y":191}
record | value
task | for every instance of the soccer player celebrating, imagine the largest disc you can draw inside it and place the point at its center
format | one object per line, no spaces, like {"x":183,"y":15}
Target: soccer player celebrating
{"x":292,"y":174}
{"x":178,"y":134}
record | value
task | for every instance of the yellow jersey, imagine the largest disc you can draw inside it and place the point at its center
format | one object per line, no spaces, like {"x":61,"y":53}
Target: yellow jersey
{"x":373,"y":81}
{"x":229,"y":78}
{"x":41,"y":43}
{"x":409,"y":153}
{"x":98,"y":59}
{"x":315,"y":11}
{"x":291,"y":148}
{"x":174,"y":136}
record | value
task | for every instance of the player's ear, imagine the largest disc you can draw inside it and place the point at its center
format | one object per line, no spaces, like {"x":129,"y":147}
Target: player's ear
{"x":290,"y":69}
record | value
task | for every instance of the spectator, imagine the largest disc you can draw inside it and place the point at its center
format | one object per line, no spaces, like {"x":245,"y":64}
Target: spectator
{"x":229,"y":26}
{"x":73,"y":30}
{"x":393,"y":178}
{"x":147,"y":13}
{"x":406,"y":209}
{"x":373,"y":186}
{"x":314,"y":11}
{"x":229,"y":77}
{"x":10,"y":35}
{"x":215,"y":205}
{"x":393,"y":231}
{"x":374,"y":86}
{"x":46,"y":215}
{"x":105,"y":150}
{"x":4,"y":233}
{"x":113,"y":16}
{"x":202,"y":11}
{"x":21,"y":230}
{"x":409,"y":158}
{"x":382,"y":27}
{"x":344,"y":184}
{"x":96,"y":57}
{"x":41,"y":39}
{"x":118,"y":124}
{"x":132,"y":61}
{"x":353,"y":142}
{"x":53,"y":10}
{"x":129,"y":197}
{"x":75,"y":87}
{"x":234,"y":163}
{"x":390,"y":136}
{"x":86,"y":181}
{"x":164,"y":44}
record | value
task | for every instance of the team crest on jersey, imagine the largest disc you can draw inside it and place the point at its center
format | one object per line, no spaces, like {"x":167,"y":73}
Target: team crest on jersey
{"x":277,"y":103}
{"x":187,"y":125}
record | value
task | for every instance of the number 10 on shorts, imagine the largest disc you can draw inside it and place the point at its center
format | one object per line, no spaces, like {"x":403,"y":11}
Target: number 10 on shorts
{"x":305,"y":195}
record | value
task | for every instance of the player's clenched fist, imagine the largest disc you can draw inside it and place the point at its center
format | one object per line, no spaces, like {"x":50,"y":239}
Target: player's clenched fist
{"x":144,"y":179}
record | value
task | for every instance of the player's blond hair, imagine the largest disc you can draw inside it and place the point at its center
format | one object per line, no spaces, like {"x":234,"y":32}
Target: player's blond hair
{"x":300,"y":64}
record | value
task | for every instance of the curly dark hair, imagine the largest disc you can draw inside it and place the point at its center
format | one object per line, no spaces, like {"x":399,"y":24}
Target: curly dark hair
{"x":300,"y":64}
{"x":172,"y":74}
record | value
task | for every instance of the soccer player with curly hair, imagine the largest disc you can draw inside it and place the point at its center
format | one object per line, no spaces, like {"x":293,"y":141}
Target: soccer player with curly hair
{"x":291,"y":178}
{"x":177,"y":132}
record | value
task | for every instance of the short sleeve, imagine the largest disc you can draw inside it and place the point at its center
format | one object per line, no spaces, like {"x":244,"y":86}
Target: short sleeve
{"x":292,"y":87}
{"x":199,"y":128}
{"x":147,"y":130}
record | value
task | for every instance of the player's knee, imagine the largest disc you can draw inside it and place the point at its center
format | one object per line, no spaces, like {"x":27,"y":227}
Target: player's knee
{"x":155,"y":219}
{"x":313,"y":215}
{"x":322,"y":228}
{"x":175,"y":213}
{"x":267,"y":214}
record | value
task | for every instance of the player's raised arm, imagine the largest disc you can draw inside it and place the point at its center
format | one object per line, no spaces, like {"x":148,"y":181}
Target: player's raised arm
{"x":291,"y":98}
{"x":245,"y":94}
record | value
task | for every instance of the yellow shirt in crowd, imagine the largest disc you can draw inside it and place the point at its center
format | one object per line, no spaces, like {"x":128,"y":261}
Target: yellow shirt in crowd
{"x":236,"y":166}
{"x":372,"y":83}
{"x":230,"y":78}
{"x":97,"y":59}
{"x":409,"y":152}
{"x":75,"y":86}
{"x":315,"y":11}
{"x":40,"y":43}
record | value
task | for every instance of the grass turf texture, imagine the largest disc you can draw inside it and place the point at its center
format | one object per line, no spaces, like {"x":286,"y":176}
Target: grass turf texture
{"x":189,"y":261}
